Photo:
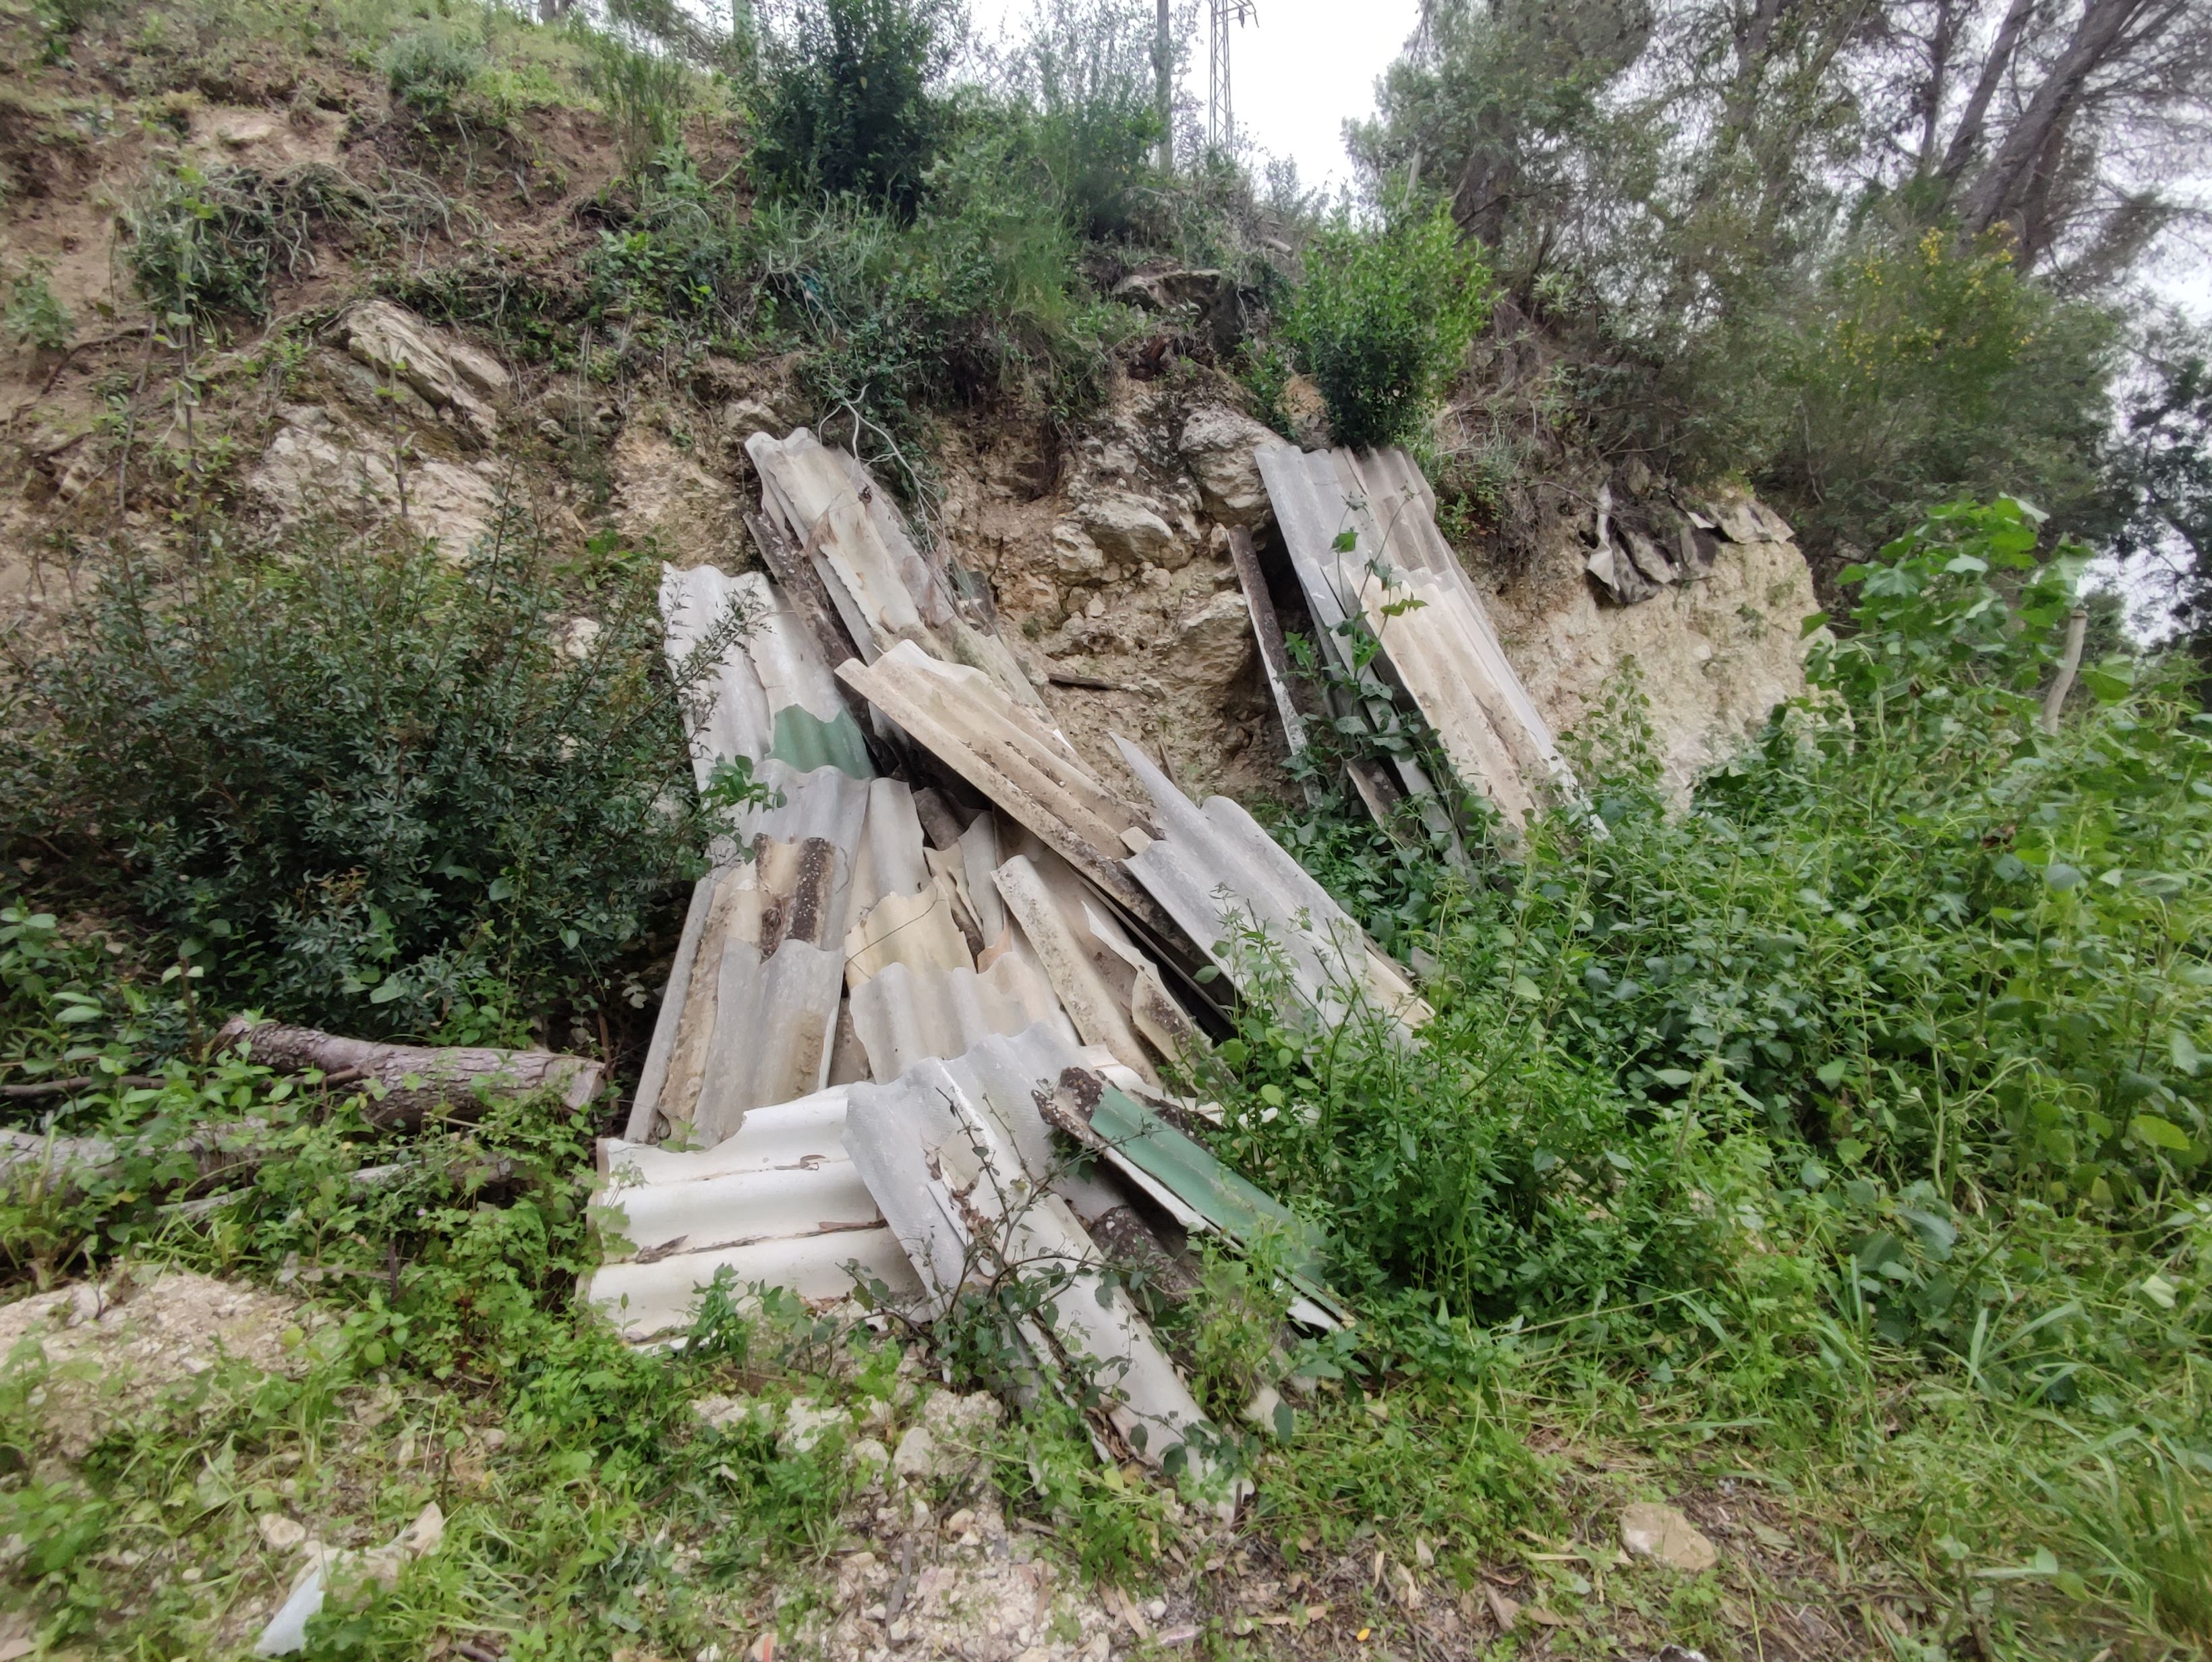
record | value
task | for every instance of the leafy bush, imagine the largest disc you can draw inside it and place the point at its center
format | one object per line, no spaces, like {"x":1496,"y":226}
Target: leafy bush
{"x":432,"y":71}
{"x":978,"y":299}
{"x":678,"y":255}
{"x":1086,"y":76}
{"x":849,"y":100}
{"x":1384,"y":319}
{"x":35,"y":316}
{"x":202,"y":242}
{"x":1908,"y":925}
{"x":1918,"y":373}
{"x":367,"y":788}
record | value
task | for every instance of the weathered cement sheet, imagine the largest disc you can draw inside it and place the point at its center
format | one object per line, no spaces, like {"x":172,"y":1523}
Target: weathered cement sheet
{"x":778,"y":1204}
{"x":769,"y":695}
{"x":956,"y":1155}
{"x":1233,"y":890}
{"x":884,"y":589}
{"x":1362,"y":537}
{"x":1006,"y":751}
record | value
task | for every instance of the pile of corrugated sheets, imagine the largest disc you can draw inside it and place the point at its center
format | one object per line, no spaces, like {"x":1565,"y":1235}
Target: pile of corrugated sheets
{"x":881,"y":999}
{"x":1362,"y":536}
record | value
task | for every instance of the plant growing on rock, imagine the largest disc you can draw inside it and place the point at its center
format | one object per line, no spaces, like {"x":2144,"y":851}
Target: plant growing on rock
{"x":1384,"y":318}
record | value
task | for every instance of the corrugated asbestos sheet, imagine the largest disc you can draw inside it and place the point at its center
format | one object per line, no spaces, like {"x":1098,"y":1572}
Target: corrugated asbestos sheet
{"x":1257,"y":915}
{"x":958,"y":1152}
{"x":1362,"y":537}
{"x":846,"y":981}
{"x":779,"y":1204}
{"x":882,"y":589}
{"x":1011,"y":754}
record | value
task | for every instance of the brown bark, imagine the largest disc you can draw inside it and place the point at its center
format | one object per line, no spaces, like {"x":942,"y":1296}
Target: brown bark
{"x":1967,"y":139}
{"x":415,"y":1083}
{"x":1999,"y":194}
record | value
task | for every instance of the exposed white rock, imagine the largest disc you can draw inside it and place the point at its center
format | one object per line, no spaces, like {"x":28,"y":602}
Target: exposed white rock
{"x":1128,"y":528}
{"x":914,"y":1459}
{"x":805,"y":1425}
{"x":111,"y":1350}
{"x":1216,"y":445}
{"x":1715,"y":654}
{"x":318,"y":463}
{"x":1664,"y":1534}
{"x":692,"y":513}
{"x":1074,"y":557}
{"x":449,"y":373}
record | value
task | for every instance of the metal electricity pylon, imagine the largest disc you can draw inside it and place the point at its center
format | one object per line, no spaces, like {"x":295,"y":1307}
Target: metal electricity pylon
{"x":1221,"y":115}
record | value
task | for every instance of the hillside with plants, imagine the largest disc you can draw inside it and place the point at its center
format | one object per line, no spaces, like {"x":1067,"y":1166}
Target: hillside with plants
{"x":1789,"y":1235}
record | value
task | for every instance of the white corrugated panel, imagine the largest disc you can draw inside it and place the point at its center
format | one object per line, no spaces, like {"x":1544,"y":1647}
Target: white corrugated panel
{"x":1450,"y":660}
{"x":1222,"y":877}
{"x":779,"y":1204}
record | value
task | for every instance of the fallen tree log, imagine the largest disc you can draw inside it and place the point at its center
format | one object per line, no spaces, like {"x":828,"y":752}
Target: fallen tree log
{"x":417,"y":1082}
{"x":227,"y":1151}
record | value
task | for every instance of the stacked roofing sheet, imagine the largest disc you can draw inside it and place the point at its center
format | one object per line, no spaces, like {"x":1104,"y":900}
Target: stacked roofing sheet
{"x":867,"y":1023}
{"x":1362,"y":537}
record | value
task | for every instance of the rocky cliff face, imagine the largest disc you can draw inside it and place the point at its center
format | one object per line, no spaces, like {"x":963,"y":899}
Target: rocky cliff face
{"x":1104,"y":549}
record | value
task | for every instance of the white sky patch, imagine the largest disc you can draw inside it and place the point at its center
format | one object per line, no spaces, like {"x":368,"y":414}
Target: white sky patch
{"x":1299,"y":72}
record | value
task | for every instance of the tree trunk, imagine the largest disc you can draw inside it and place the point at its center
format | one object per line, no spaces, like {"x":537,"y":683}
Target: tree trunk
{"x":1967,"y":139}
{"x":1999,"y":194}
{"x":417,"y":1082}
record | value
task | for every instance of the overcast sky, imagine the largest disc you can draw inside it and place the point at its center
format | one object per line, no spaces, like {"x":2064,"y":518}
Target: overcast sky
{"x":1301,"y":69}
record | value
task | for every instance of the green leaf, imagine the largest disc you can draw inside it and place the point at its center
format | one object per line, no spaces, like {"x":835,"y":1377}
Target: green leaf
{"x":2108,"y":687}
{"x":500,"y":889}
{"x":2160,"y":1133}
{"x":2060,"y":876}
{"x":1345,"y":541}
{"x":1674,"y":1076}
{"x":2186,"y":1056}
{"x":1832,"y":1072}
{"x":1527,"y":990}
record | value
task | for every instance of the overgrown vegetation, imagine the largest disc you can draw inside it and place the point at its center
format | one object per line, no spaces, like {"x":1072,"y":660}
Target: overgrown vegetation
{"x":1874,"y":1076}
{"x":1383,"y":320}
{"x":1838,"y":254}
{"x":1840,"y":1139}
{"x":364,"y":787}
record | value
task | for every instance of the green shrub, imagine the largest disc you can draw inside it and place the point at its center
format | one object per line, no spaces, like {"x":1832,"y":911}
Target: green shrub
{"x":645,"y":94}
{"x":848,"y":99}
{"x":202,"y":243}
{"x":35,"y":316}
{"x":1384,"y":321}
{"x":369,"y":788}
{"x":678,"y":257}
{"x":1085,"y":75}
{"x":432,"y":71}
{"x":979,"y":299}
{"x":1908,"y":925}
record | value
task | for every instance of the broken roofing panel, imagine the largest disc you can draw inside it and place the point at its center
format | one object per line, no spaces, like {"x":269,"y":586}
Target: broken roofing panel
{"x":1362,"y":537}
{"x":904,"y":1016}
{"x":884,"y":589}
{"x":778,"y":1205}
{"x":957,"y":1154}
{"x":1098,"y":1114}
{"x":1225,"y":880}
{"x":758,"y":1006}
{"x":1008,"y":752}
{"x":1397,"y":499}
{"x":771,"y":696}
